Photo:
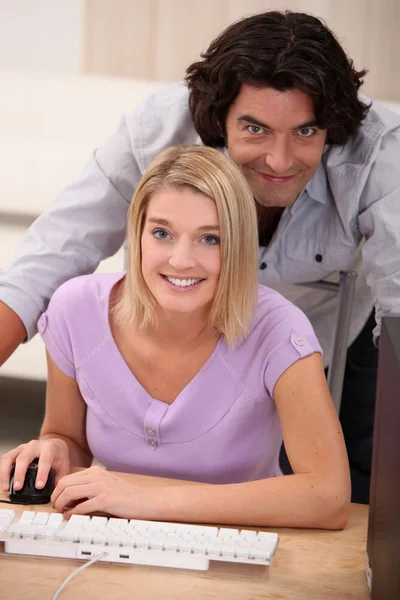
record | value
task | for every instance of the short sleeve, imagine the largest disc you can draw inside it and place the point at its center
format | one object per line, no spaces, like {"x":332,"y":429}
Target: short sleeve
{"x":55,"y":332}
{"x":294,"y":338}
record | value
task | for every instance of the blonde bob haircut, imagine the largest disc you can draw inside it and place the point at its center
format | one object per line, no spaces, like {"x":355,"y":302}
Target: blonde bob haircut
{"x":205,"y":171}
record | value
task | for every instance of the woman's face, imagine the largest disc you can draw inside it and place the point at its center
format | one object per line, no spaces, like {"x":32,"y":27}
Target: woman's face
{"x":181,"y":259}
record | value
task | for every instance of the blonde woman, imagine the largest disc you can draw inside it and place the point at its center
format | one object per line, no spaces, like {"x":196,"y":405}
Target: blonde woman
{"x":184,"y":367}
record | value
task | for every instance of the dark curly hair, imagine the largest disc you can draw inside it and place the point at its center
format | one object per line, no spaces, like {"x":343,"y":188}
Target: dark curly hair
{"x":282,"y":50}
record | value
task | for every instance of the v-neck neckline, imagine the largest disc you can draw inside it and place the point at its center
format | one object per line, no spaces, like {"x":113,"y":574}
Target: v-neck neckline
{"x":126,"y":367}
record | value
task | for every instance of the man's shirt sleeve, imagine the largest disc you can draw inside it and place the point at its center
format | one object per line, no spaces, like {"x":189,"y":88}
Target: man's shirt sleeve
{"x":379,"y":222}
{"x":85,"y":224}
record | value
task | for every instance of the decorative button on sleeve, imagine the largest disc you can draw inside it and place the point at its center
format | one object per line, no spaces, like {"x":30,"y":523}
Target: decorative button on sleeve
{"x":301,"y":344}
{"x":42,"y":323}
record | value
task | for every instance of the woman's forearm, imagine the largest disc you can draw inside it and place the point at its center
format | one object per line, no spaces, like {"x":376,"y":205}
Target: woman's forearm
{"x":78,"y":456}
{"x":301,"y":500}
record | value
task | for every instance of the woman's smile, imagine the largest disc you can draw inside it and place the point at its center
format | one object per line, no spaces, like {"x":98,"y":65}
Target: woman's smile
{"x":182,"y":284}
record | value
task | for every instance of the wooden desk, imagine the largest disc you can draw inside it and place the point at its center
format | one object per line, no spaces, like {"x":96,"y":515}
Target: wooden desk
{"x":309,"y":565}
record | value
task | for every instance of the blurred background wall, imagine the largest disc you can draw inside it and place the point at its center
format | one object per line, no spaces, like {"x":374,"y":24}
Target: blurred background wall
{"x":158,"y":39}
{"x":42,"y":35}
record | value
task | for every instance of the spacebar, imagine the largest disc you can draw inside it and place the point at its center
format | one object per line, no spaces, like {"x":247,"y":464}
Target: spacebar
{"x":118,"y":554}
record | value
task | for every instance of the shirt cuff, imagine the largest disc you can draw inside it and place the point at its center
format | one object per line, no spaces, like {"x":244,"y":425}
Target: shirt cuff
{"x":23,"y":306}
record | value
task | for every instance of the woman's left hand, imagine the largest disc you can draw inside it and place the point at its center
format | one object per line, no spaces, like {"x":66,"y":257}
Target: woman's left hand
{"x":98,"y":490}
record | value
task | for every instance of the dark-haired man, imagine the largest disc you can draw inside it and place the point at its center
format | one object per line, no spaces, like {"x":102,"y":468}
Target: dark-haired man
{"x":278,"y":94}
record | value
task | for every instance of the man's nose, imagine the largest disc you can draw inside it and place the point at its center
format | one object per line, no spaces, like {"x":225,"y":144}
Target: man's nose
{"x":182,"y":256}
{"x":279,"y":158}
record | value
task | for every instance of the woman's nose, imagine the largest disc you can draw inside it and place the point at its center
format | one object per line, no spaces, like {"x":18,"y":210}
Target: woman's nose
{"x":182,"y":257}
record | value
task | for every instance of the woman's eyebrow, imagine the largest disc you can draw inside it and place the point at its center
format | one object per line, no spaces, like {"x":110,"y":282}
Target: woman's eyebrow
{"x":159,"y":221}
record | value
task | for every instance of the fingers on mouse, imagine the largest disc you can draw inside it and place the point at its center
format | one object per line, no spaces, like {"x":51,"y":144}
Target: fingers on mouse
{"x":29,"y":494}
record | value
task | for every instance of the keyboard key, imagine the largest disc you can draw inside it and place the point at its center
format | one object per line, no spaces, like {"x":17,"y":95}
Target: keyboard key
{"x":6,"y":518}
{"x":98,"y":538}
{"x":98,"y":521}
{"x":228,"y":533}
{"x":85,"y":537}
{"x":248,"y":535}
{"x":7,"y":513}
{"x":140,"y":542}
{"x":55,"y":519}
{"x":27,"y":516}
{"x":261,"y":553}
{"x":113,"y":540}
{"x":171,"y":544}
{"x":241,"y":552}
{"x":185,"y":546}
{"x":40,"y":518}
{"x":78,"y":520}
{"x":267,"y":538}
{"x":213,"y":549}
{"x":117,"y":523}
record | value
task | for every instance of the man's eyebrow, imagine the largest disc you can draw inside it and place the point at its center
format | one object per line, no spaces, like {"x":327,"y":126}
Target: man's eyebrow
{"x":166,"y":223}
{"x":254,"y":121}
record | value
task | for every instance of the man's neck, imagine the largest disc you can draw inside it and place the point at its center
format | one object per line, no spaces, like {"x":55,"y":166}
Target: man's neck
{"x":268,"y":221}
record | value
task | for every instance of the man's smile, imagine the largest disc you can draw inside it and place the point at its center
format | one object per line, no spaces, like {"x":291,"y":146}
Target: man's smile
{"x":276,"y":178}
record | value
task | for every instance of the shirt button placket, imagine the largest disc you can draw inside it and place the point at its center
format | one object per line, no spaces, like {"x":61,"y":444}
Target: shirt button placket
{"x":151,"y":440}
{"x":152,"y":421}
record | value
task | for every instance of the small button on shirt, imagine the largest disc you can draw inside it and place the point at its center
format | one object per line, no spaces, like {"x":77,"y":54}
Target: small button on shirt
{"x":42,"y":324}
{"x":223,"y":427}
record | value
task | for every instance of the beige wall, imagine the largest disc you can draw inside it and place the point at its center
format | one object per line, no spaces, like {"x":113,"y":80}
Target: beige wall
{"x":41,"y":36}
{"x":158,"y":39}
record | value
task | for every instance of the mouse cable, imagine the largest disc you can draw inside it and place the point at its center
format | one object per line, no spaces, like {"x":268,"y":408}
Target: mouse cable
{"x":68,"y":579}
{"x":7,"y":501}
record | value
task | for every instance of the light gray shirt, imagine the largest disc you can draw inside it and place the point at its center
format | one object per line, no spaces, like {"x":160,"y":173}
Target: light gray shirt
{"x":348,"y":214}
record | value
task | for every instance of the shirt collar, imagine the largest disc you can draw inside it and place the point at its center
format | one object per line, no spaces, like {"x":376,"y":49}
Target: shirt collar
{"x":318,"y":188}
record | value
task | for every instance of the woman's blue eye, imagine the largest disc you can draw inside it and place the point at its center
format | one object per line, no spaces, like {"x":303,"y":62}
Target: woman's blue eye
{"x":306,"y":132}
{"x":160,"y":234}
{"x":211,"y":239}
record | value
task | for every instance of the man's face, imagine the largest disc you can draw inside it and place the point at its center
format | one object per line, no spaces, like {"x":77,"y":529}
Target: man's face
{"x":272,"y":136}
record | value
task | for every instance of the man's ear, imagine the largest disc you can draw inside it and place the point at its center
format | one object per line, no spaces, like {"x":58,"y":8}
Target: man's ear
{"x":221,"y":130}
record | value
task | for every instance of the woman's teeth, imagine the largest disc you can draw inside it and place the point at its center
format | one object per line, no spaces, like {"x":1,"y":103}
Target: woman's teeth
{"x":182,"y":282}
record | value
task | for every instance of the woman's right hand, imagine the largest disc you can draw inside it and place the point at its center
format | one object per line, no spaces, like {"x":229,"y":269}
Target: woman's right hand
{"x":52,"y":453}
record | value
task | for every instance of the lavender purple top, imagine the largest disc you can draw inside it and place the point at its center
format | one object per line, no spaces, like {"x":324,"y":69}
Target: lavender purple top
{"x":222,"y":428}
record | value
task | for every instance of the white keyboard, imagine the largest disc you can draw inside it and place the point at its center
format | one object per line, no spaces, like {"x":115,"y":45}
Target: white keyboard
{"x":132,"y":542}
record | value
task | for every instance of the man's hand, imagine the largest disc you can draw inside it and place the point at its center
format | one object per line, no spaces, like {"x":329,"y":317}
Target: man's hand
{"x":12,"y":332}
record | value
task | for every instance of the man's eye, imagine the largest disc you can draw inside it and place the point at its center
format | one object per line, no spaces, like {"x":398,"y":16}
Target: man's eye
{"x":160,"y":234}
{"x":211,"y":239}
{"x":255,"y":129}
{"x":306,"y":132}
